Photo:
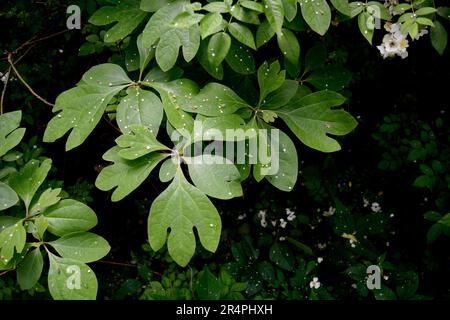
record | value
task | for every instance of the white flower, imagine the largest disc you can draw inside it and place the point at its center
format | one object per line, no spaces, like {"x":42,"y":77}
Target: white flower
{"x":330,"y":212}
{"x":290,"y":214}
{"x":319,"y":260}
{"x":421,"y":33}
{"x":375,"y":207}
{"x":263,"y":223}
{"x":366,"y":202}
{"x":394,"y":43}
{"x":390,"y":4}
{"x":273,"y":222}
{"x":4,"y":77}
{"x":281,"y":238}
{"x":242,"y":216}
{"x":283,"y":223}
{"x":354,"y":286}
{"x":262,"y":216}
{"x":386,"y":278}
{"x":321,"y":246}
{"x":352,"y":243}
{"x":314,"y":284}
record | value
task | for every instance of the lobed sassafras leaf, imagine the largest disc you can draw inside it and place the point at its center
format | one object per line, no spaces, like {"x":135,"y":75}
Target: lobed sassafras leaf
{"x":270,"y":78}
{"x":181,"y":207}
{"x":127,"y":14}
{"x":312,"y":118}
{"x":124,"y":174}
{"x":10,"y":133}
{"x":215,"y":176}
{"x":141,"y":142}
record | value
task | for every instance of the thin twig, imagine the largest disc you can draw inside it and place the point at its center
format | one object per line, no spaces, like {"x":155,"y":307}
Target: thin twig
{"x":5,"y":272}
{"x":11,"y":63}
{"x":5,"y":84}
{"x":48,"y":37}
{"x":122,"y":264}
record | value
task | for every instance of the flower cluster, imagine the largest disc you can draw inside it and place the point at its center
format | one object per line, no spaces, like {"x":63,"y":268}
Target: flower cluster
{"x":262,"y":217}
{"x":394,"y":43}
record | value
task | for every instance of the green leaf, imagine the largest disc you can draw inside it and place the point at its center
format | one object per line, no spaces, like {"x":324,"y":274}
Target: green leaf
{"x":214,"y":71}
{"x":312,"y":118}
{"x":378,"y":10}
{"x":28,"y":180}
{"x":153,"y":5}
{"x":330,"y":77}
{"x":82,"y":108}
{"x":317,"y":15}
{"x":384,"y":293}
{"x":157,"y":75}
{"x":70,"y":279}
{"x":69,"y":216}
{"x":40,"y":226}
{"x":10,"y":238}
{"x":186,"y":19}
{"x":425,"y":21}
{"x":81,"y":246}
{"x":287,"y":162}
{"x":290,"y":9}
{"x":274,"y":11}
{"x":243,"y":34}
{"x":252,"y":5}
{"x":240,"y":59}
{"x":215,"y":128}
{"x":168,"y":49}
{"x":219,"y":7}
{"x":106,"y":75}
{"x":30,"y":269}
{"x":366,"y":24}
{"x":281,"y":96}
{"x":168,"y":170}
{"x":270,"y":78}
{"x":244,"y":15}
{"x":218,"y":48}
{"x":127,"y":14}
{"x":315,"y":58}
{"x":160,"y":21}
{"x":145,"y":54}
{"x":213,"y":100}
{"x":215,"y":176}
{"x":409,"y":283}
{"x":10,"y":135}
{"x":181,"y":207}
{"x":138,"y":144}
{"x":289,"y":46}
{"x":444,"y":12}
{"x":211,"y":24}
{"x":425,"y":11}
{"x":264,"y":33}
{"x":48,"y":198}
{"x":8,"y":197}
{"x":190,"y":41}
{"x":208,"y":286}
{"x":341,"y":6}
{"x":445,"y":220}
{"x":124,"y":174}
{"x":140,"y":107}
{"x":439,"y":37}
{"x":281,"y":255}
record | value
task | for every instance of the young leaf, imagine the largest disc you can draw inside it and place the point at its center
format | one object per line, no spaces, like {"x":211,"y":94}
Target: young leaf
{"x":126,"y":175}
{"x":244,"y":15}
{"x":10,"y":133}
{"x":218,"y":48}
{"x":312,"y":119}
{"x":30,"y":269}
{"x":208,"y":286}
{"x":270,"y":78}
{"x":28,"y":180}
{"x":181,"y":207}
{"x":274,"y":11}
{"x":317,"y":15}
{"x":214,"y":71}
{"x":127,"y":14}
{"x":290,"y":9}
{"x":140,"y":143}
{"x":242,"y":34}
{"x":48,"y":198}
{"x":215,"y":176}
{"x":10,"y":238}
{"x":70,"y":279}
{"x":69,"y":216}
{"x":281,"y":96}
{"x":366,"y":25}
{"x":168,"y":170}
{"x":140,"y":107}
{"x":81,"y":246}
{"x":8,"y":197}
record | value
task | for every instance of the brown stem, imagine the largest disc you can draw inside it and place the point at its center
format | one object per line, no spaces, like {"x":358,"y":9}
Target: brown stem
{"x":7,"y":74}
{"x":11,"y":63}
